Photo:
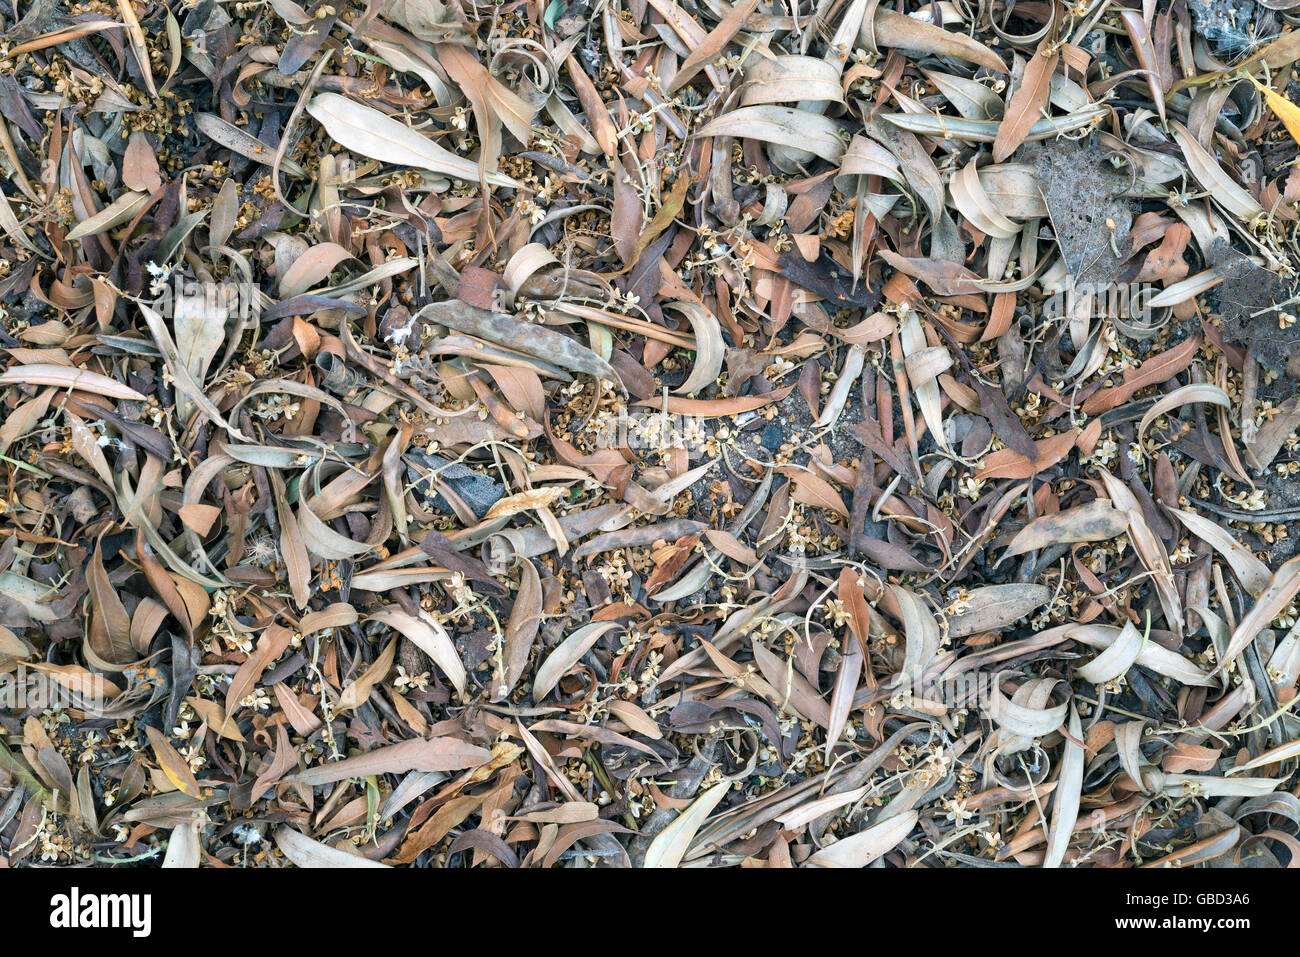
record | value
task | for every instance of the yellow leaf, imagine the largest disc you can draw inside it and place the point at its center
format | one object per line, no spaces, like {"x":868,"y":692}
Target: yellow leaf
{"x":172,"y":764}
{"x":1286,"y":111}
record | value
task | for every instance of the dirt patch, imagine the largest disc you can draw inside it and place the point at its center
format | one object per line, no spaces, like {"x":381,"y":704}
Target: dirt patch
{"x":1249,"y":300}
{"x":1282,"y":492}
{"x":1088,"y":211}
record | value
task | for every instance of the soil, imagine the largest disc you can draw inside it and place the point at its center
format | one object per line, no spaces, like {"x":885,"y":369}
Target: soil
{"x":761,"y":438}
{"x":1248,"y":300}
{"x":1282,"y":492}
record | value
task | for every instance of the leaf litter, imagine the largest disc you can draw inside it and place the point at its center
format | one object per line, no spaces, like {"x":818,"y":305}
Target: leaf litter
{"x":652,"y":433}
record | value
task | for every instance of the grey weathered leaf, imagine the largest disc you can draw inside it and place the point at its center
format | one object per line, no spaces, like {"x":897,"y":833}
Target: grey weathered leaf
{"x":993,"y":607}
{"x":365,"y":130}
{"x":417,"y":754}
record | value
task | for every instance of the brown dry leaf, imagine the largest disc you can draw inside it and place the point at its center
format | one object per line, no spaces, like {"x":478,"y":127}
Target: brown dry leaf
{"x":668,"y":849}
{"x":64,"y":35}
{"x":1065,"y":799}
{"x":356,"y":694}
{"x":199,"y":517}
{"x":783,"y":126}
{"x":1097,"y":521}
{"x":123,"y":209}
{"x":602,"y":127}
{"x":716,"y":408}
{"x":1279,"y":592}
{"x":1157,"y":369}
{"x":521,"y":629}
{"x":921,"y":631}
{"x":846,"y":682}
{"x":1153,"y":656}
{"x":817,"y":492}
{"x":538,"y":498}
{"x":1144,"y":50}
{"x":365,"y":130}
{"x":140,"y":165}
{"x":1006,"y":463}
{"x":1028,"y":102}
{"x":791,"y":687}
{"x":109,"y":635}
{"x":892,"y":29}
{"x":1250,"y":571}
{"x":625,"y":225}
{"x":430,"y":637}
{"x":636,"y":719}
{"x":713,"y":45}
{"x":1150,"y":550}
{"x":216,"y":717}
{"x":292,"y":548}
{"x":68,"y":378}
{"x":311,"y":267}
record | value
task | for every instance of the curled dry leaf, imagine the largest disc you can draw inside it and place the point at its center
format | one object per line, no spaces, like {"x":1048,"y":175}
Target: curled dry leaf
{"x":306,"y":852}
{"x":860,"y":849}
{"x":430,"y":637}
{"x":559,"y":661}
{"x":365,"y":130}
{"x":668,"y":849}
